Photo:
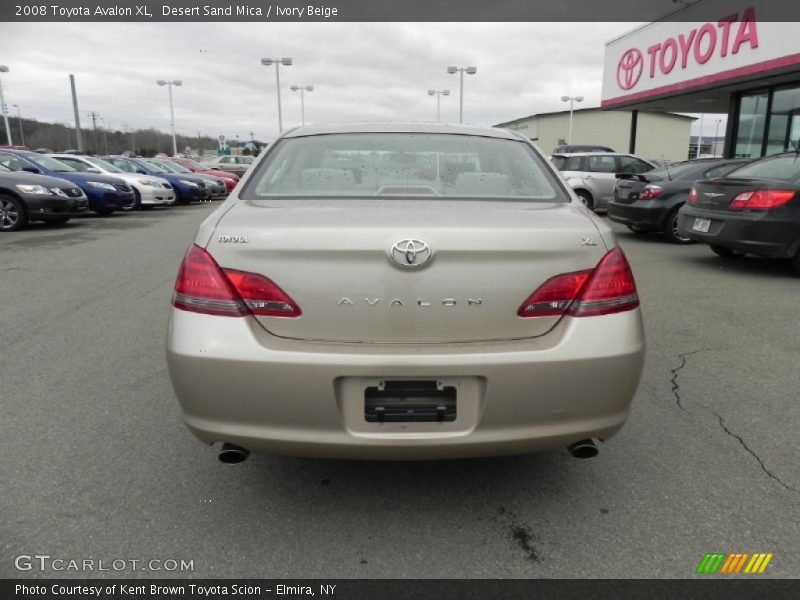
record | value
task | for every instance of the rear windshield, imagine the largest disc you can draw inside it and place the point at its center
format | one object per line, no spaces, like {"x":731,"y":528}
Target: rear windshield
{"x":403,"y":164}
{"x":786,"y":168}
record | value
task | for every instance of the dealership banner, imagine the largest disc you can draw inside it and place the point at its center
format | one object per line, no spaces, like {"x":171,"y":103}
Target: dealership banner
{"x":372,"y":10}
{"x":396,"y":589}
{"x":670,"y":57}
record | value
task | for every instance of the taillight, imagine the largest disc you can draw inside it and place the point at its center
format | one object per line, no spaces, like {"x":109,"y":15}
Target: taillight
{"x":203,"y":287}
{"x":651,"y":192}
{"x":693,"y":198}
{"x":608,"y":288}
{"x":762,"y":199}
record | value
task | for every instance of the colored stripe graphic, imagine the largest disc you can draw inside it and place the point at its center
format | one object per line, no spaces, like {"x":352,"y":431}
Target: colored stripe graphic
{"x":711,"y":562}
{"x":733,"y":563}
{"x":758,"y":563}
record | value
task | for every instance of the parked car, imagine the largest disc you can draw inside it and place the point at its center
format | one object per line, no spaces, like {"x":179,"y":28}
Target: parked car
{"x":594,"y":175}
{"x":105,"y":194}
{"x":150,"y":190}
{"x":215,"y":185}
{"x":195,"y":167}
{"x":571,"y":148}
{"x":187,"y":189}
{"x":381,"y":311}
{"x":237,"y":165}
{"x":650,"y":202}
{"x":754,"y":210}
{"x":26,"y":197}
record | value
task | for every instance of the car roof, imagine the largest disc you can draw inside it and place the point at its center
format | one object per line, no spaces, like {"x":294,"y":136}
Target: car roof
{"x":401,"y":127}
{"x":571,"y":154}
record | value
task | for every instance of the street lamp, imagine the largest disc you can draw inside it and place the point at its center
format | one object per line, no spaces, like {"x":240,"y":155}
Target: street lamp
{"x":287,"y":62}
{"x":438,"y":94}
{"x":105,"y":133}
{"x":169,"y":84}
{"x":572,"y":100}
{"x":716,"y":133}
{"x":302,"y":88}
{"x":4,"y":69}
{"x":19,"y":116}
{"x":461,"y":70}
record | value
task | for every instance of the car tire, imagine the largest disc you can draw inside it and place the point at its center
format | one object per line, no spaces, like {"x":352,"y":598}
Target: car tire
{"x":180,"y":200}
{"x":637,"y":230}
{"x":137,"y":202}
{"x":586,"y":199}
{"x":726,"y":252}
{"x":12,"y":214}
{"x":671,"y":233}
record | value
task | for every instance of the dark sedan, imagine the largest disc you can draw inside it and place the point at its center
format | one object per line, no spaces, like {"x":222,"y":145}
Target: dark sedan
{"x":27,"y":197}
{"x":754,"y":210}
{"x":650,"y":202}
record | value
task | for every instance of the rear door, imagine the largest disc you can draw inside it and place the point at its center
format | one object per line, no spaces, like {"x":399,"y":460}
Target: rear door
{"x":600,"y":177}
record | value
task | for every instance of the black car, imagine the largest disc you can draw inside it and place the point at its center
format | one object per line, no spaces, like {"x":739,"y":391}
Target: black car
{"x":754,"y":210}
{"x":649,"y":202}
{"x":26,"y":197}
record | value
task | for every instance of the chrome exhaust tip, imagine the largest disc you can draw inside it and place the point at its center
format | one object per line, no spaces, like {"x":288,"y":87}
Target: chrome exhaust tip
{"x":583,"y":449}
{"x":230,"y":454}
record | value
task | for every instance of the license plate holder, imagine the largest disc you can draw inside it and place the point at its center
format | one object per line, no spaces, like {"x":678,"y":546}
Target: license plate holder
{"x":701,"y":225}
{"x":410,"y":401}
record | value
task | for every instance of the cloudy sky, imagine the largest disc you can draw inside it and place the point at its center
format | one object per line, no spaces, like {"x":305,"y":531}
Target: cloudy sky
{"x":360,"y":71}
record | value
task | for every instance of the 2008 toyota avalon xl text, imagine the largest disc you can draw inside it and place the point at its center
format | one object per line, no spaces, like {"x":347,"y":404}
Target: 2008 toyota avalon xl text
{"x":404,"y":291}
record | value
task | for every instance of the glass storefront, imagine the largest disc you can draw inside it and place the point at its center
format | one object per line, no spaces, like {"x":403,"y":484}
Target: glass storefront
{"x":768,"y":122}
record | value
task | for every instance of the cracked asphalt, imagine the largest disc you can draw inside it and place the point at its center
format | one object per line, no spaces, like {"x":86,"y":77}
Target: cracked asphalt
{"x":97,"y":463}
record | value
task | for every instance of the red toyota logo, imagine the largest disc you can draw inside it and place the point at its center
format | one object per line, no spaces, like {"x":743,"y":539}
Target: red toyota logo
{"x":629,"y":69}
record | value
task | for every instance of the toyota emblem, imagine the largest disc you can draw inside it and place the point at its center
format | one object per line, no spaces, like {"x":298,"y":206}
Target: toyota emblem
{"x":629,"y":69}
{"x":410,"y":253}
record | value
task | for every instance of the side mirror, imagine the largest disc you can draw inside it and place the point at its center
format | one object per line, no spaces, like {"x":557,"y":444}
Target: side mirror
{"x":93,"y":170}
{"x":141,"y":171}
{"x":28,"y":169}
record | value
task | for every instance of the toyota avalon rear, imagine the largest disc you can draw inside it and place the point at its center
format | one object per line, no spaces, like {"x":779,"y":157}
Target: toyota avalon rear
{"x":404,"y":292}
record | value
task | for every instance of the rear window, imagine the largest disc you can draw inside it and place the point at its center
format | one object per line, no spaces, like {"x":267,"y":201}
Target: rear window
{"x":786,"y":168}
{"x":403,"y":164}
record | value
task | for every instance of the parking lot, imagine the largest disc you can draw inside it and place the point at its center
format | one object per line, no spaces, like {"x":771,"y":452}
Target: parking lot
{"x":103,"y":467}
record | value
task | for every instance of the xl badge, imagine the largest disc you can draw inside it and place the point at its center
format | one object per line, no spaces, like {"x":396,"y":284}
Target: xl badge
{"x":410,"y":253}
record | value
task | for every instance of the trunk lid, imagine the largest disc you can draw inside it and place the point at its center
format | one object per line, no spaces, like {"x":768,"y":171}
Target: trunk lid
{"x":717,"y":194}
{"x":333,"y":259}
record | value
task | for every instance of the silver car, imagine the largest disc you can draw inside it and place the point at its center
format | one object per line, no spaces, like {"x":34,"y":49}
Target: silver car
{"x":593,"y":175}
{"x":404,"y":291}
{"x":238,"y":165}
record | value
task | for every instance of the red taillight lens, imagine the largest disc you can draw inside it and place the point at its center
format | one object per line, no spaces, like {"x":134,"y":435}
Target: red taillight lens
{"x":651,"y":192}
{"x":203,"y":287}
{"x":609,"y":288}
{"x":693,"y":196}
{"x":762,"y":199}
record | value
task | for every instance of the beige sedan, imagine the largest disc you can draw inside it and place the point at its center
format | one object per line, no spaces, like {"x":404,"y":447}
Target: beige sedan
{"x":238,"y":165}
{"x":404,"y":291}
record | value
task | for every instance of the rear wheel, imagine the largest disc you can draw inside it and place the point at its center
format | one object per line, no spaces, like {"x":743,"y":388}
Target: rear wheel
{"x":586,"y":199}
{"x":726,"y":252}
{"x":12,"y":214}
{"x":671,"y":231}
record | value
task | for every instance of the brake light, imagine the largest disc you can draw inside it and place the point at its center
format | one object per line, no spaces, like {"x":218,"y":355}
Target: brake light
{"x":765,"y":199}
{"x":203,"y":287}
{"x":693,"y":198}
{"x":651,"y":192}
{"x":608,"y":288}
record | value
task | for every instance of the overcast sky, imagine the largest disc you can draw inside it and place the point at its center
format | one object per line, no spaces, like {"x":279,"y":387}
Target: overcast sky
{"x":360,"y":71}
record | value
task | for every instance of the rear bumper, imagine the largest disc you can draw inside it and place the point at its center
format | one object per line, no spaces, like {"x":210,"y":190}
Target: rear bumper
{"x":646,"y":214}
{"x":763,"y":233}
{"x":236,"y":383}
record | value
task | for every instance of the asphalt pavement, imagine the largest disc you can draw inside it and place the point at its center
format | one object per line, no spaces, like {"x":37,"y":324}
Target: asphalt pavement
{"x":98,"y":464}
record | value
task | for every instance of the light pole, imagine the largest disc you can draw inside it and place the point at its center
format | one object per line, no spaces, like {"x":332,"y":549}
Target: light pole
{"x":287,"y":62}
{"x":572,"y":100}
{"x":169,"y":84}
{"x":105,"y":134}
{"x":700,"y":137}
{"x":19,"y":116}
{"x":716,"y":133}
{"x":302,"y":88}
{"x":95,"y":117}
{"x":461,"y":70}
{"x":438,"y":94}
{"x":4,"y":69}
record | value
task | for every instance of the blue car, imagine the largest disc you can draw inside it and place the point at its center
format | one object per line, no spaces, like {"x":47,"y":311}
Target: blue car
{"x":187,"y":188}
{"x":105,"y":194}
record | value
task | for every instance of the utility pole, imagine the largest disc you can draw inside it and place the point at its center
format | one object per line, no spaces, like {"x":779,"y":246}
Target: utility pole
{"x":94,"y":116}
{"x":78,"y":137}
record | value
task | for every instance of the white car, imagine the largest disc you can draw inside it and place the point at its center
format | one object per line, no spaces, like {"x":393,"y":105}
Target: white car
{"x":150,"y":190}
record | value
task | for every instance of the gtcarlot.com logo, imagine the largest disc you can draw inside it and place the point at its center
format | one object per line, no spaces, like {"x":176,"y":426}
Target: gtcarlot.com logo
{"x":45,"y":562}
{"x":722,"y":563}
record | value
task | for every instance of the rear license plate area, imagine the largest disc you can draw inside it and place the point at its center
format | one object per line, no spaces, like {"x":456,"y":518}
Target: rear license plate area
{"x":701,"y":225}
{"x":406,"y":401}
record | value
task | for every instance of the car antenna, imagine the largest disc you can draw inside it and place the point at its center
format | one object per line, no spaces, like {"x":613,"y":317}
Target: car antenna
{"x":666,"y":168}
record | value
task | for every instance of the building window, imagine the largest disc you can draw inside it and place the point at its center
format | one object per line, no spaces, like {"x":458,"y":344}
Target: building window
{"x":750,"y":128}
{"x":784,"y":121}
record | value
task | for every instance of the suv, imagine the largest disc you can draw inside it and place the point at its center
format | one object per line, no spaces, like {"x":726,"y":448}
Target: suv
{"x":594,"y":175}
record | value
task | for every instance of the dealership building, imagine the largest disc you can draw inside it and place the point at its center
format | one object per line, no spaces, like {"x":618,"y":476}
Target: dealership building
{"x":745,"y":62}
